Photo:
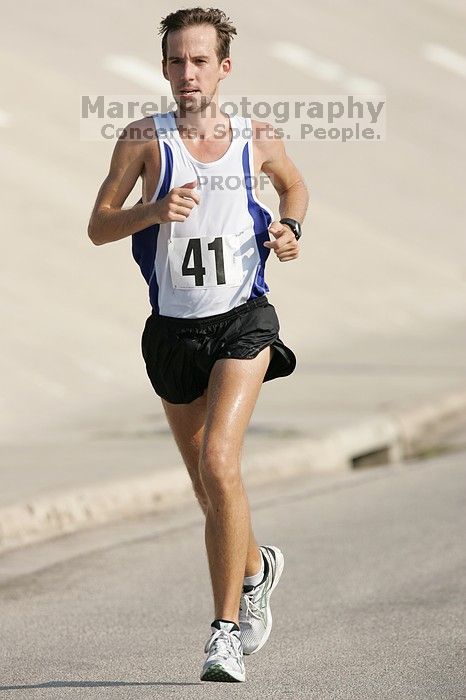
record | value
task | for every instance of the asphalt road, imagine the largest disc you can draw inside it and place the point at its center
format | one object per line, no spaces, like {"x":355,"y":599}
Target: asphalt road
{"x":371,"y":603}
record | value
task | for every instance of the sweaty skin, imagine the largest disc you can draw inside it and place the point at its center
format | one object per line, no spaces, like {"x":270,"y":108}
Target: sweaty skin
{"x":209,"y":431}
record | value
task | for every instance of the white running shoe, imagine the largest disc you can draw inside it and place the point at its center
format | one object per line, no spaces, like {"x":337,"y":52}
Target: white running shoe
{"x":255,"y":616}
{"x":225,"y":654}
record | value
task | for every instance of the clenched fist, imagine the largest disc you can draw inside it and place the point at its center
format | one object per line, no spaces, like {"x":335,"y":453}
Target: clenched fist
{"x":285,"y":245}
{"x":177,"y":204}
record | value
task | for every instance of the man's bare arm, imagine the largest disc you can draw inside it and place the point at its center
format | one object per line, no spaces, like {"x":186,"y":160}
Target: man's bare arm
{"x":283,"y":173}
{"x":109,"y":222}
{"x":290,"y":186}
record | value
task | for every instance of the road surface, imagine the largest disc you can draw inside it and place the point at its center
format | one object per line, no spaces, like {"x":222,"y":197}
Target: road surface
{"x":371,"y":603}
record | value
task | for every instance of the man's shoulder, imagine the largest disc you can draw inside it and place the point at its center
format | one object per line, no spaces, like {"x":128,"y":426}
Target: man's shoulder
{"x":140,"y":131}
{"x":266,"y":138}
{"x":265,"y":131}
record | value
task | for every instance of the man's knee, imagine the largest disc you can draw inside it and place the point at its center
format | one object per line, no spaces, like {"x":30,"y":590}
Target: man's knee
{"x":219,"y":470}
{"x":202,"y":500}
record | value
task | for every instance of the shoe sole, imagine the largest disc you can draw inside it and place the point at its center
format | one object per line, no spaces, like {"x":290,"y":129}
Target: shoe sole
{"x":280,"y":560}
{"x":217,"y":673}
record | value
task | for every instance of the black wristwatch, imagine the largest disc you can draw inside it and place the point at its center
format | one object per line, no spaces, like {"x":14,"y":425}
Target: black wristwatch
{"x":294,"y":225}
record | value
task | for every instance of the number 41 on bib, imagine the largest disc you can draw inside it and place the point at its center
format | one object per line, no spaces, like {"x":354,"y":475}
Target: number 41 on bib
{"x":197,"y":263}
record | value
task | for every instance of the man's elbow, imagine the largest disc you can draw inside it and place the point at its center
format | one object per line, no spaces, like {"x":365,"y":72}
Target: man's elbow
{"x":303,"y":189}
{"x":302,"y":185}
{"x":94,"y":233}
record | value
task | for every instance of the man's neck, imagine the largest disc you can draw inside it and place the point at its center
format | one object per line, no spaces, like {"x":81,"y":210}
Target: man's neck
{"x":203,"y":125}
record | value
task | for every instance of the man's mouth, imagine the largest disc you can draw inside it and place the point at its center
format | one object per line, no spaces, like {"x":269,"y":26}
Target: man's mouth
{"x":188,"y":92}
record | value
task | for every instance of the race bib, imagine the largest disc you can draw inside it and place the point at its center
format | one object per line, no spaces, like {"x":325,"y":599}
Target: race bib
{"x":198,"y":263}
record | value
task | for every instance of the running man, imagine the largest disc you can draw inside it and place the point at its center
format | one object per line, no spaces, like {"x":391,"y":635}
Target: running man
{"x":212,"y":337}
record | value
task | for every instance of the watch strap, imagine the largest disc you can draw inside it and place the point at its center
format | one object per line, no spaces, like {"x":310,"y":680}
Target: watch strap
{"x":294,"y":225}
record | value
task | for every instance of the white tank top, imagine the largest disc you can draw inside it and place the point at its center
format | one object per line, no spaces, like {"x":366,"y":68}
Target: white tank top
{"x":215,"y":260}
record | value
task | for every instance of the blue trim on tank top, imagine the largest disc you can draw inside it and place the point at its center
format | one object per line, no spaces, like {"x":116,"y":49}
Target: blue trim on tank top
{"x":262,"y":221}
{"x":144,"y":242}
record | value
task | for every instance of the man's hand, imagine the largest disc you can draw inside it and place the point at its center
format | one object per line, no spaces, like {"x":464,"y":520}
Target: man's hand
{"x":285,"y":244}
{"x":178,"y":203}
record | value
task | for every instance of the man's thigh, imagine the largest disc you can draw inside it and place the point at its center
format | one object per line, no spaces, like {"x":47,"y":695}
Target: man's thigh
{"x":232,"y":392}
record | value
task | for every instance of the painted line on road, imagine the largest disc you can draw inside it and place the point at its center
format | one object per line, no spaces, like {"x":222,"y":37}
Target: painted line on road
{"x":136,"y":70}
{"x":5,"y":118}
{"x":445,"y":57}
{"x":323,"y":68}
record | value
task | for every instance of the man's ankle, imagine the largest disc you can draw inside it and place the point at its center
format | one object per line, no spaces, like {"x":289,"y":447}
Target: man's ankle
{"x":258,"y":578}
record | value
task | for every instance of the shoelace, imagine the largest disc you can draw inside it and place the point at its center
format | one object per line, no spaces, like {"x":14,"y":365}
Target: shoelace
{"x":221,"y":644}
{"x":251,"y":601}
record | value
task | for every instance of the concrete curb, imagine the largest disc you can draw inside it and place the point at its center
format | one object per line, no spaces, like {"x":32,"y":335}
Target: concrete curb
{"x":382,"y":439}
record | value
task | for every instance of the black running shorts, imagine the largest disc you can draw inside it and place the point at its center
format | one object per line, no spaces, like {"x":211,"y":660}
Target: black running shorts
{"x":180,"y":352}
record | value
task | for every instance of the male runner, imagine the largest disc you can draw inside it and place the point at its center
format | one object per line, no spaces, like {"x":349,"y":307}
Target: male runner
{"x":212,"y":337}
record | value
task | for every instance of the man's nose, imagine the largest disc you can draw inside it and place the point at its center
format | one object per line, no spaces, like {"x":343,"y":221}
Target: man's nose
{"x":188,"y":70}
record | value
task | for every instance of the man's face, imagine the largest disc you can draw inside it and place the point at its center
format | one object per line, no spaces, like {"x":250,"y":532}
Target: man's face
{"x":192,"y":66}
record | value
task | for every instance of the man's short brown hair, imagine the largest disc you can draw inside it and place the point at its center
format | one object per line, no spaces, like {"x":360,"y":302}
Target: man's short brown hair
{"x":195,"y":16}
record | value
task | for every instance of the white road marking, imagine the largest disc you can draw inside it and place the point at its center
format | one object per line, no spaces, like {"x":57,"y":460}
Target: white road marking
{"x":5,"y":118}
{"x":137,"y":70}
{"x":323,"y":68}
{"x":299,"y":57}
{"x":358,"y":85}
{"x":446,"y":58}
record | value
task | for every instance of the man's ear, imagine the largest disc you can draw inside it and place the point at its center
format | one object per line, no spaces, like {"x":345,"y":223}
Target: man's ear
{"x":225,"y":68}
{"x":164,"y":70}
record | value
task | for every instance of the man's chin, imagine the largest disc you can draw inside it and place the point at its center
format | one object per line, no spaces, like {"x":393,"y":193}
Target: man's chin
{"x":192,"y":104}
